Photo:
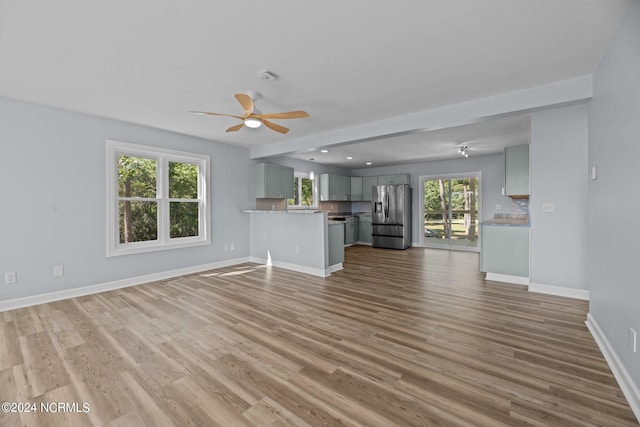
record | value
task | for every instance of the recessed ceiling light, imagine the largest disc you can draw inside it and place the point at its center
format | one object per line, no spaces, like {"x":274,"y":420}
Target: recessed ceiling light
{"x":324,"y":151}
{"x":368,"y":163}
{"x":349,"y":158}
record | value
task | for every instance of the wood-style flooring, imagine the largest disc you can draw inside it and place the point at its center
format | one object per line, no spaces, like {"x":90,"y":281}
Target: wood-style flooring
{"x":406,"y":338}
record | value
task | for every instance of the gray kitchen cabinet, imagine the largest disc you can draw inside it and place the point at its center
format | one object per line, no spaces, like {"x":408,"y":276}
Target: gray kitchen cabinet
{"x":334,"y":187}
{"x":351,"y":230}
{"x":505,"y":250}
{"x":368,"y":182}
{"x":394,"y":179}
{"x":356,"y":188}
{"x":274,"y":181}
{"x":344,"y":187}
{"x":516,"y":171}
{"x":364,"y":229}
{"x":336,"y":243}
{"x":323,"y":187}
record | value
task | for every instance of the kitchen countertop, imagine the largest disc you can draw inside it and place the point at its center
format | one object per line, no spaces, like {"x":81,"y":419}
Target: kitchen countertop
{"x":293,"y":212}
{"x":509,"y":222}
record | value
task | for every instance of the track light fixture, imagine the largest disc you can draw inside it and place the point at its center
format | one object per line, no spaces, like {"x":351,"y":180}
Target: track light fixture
{"x":464,"y":150}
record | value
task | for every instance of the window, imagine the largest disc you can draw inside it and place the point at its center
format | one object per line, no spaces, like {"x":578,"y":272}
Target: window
{"x":304,"y":192}
{"x":156,"y":199}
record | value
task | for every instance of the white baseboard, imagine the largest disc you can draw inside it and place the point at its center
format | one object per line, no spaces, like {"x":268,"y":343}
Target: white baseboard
{"x":560,"y":291}
{"x":335,"y":267}
{"x":628,"y":387}
{"x":15,"y":303}
{"x":294,"y":267}
{"x":506,"y":278}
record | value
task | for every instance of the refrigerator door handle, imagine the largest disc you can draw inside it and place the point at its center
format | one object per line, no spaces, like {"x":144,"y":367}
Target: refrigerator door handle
{"x":386,"y":209}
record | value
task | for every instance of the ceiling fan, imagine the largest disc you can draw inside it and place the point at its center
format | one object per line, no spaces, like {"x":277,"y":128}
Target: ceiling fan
{"x":253,"y":118}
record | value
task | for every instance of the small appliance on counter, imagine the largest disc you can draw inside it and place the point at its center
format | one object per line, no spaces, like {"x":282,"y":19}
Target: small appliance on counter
{"x":391,"y":216}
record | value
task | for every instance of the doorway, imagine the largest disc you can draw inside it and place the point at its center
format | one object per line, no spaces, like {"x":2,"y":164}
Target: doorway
{"x":450,"y":211}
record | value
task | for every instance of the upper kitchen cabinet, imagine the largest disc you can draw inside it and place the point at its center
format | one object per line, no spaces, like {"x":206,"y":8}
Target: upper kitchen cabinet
{"x":394,"y":179}
{"x":356,"y":188}
{"x":274,"y":181}
{"x":368,"y":182}
{"x":516,"y":171}
{"x":334,"y":187}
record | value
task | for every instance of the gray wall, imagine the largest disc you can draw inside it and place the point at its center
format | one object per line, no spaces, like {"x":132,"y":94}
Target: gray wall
{"x":492,"y":168}
{"x":613,"y":262}
{"x":52,"y":212}
{"x":559,"y":175}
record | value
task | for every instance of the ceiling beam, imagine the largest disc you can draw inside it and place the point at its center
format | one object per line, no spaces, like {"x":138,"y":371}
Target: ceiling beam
{"x":562,"y":93}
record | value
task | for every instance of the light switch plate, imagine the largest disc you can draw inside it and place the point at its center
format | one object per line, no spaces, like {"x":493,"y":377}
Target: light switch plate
{"x":548,"y":207}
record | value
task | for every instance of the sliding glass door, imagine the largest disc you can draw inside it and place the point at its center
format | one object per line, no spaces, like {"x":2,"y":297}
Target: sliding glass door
{"x":450,"y":211}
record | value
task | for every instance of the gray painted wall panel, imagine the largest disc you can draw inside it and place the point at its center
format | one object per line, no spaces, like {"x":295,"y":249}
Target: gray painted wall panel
{"x":52,"y":212}
{"x":613,"y":256}
{"x":559,"y":143}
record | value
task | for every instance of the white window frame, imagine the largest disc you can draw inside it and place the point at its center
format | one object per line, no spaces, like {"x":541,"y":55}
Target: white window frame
{"x":314,"y":205}
{"x":162,"y":157}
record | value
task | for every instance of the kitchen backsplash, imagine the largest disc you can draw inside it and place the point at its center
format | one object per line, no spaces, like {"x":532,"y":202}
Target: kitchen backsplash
{"x":335,"y":206}
{"x":519,"y":209}
{"x":271,"y":204}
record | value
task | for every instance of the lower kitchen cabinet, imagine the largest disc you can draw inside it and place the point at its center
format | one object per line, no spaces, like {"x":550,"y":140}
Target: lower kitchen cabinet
{"x":364,"y":229}
{"x":351,"y":230}
{"x":505,"y":250}
{"x":336,"y":244}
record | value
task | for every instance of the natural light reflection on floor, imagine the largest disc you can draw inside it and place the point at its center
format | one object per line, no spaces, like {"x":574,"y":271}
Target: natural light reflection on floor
{"x":238,"y":271}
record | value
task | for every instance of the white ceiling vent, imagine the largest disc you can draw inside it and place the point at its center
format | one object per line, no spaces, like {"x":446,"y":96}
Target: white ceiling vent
{"x":267,"y":75}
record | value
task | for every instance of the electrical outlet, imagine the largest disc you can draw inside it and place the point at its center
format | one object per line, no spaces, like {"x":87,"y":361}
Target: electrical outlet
{"x":58,"y":271}
{"x":498,"y":207}
{"x":232,"y":246}
{"x":633,"y":340}
{"x":10,"y":278}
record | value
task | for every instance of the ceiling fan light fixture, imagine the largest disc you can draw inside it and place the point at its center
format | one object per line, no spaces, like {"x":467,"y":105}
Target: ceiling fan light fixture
{"x":464,"y":150}
{"x":252,"y":123}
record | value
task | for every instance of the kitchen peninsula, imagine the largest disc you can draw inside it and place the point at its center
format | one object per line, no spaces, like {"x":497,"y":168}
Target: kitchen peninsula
{"x":305,"y":240}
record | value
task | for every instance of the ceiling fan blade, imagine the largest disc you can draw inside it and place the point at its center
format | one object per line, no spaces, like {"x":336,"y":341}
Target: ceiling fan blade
{"x":275,"y":127}
{"x":235,"y":128}
{"x":287,"y":115}
{"x":207,"y":113}
{"x":246,"y":102}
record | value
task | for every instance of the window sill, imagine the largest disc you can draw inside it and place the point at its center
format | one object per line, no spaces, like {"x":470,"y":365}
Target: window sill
{"x":140,"y":249}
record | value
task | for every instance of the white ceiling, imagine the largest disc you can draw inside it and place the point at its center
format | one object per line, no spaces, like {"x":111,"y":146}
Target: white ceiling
{"x":345,"y":62}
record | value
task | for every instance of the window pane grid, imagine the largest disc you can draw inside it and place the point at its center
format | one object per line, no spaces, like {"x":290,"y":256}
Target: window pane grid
{"x":160,"y":200}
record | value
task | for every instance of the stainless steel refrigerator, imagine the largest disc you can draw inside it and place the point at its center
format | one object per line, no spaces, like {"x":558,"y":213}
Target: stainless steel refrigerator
{"x":391,"y":216}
